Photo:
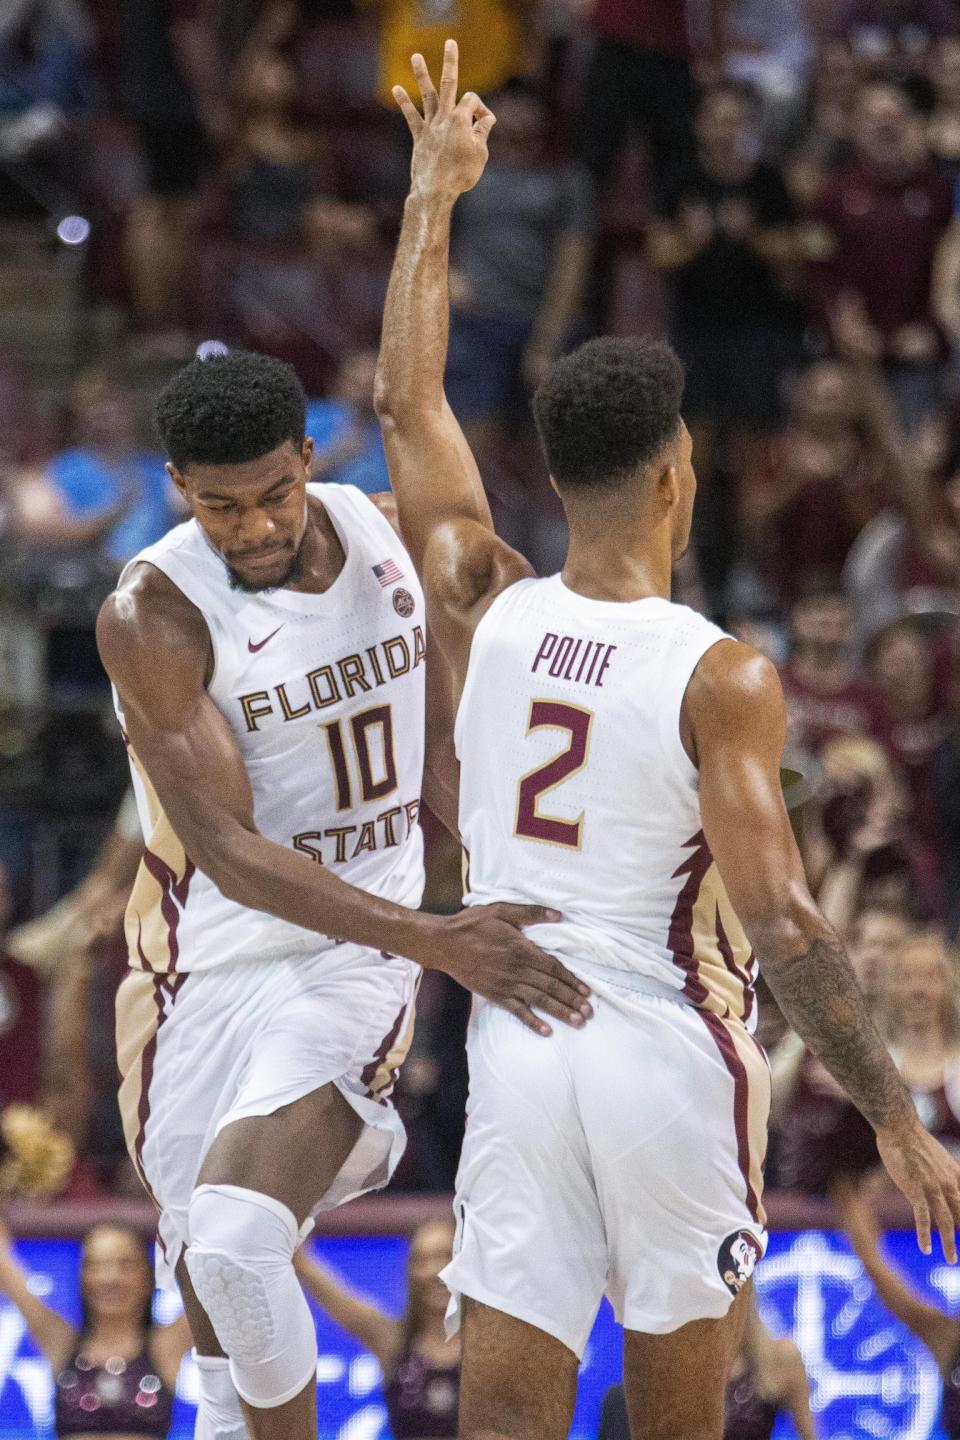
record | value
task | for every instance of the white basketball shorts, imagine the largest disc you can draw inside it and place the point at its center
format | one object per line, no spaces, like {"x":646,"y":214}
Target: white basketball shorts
{"x":624,"y":1158}
{"x":199,"y":1050}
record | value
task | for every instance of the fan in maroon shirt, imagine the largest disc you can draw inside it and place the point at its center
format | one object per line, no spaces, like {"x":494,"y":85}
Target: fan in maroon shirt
{"x":874,"y":233}
{"x":827,"y":698}
{"x":913,"y":677}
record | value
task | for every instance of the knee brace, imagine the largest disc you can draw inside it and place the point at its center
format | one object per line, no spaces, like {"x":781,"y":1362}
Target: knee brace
{"x":219,"y":1416}
{"x":240,"y":1261}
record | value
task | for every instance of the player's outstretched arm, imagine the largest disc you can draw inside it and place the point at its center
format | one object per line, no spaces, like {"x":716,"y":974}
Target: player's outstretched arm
{"x":734,"y":723}
{"x":432,"y":471}
{"x":155,"y":647}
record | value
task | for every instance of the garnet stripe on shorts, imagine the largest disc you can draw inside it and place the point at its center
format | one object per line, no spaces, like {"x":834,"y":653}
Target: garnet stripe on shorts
{"x":172,"y":986}
{"x":741,"y":1102}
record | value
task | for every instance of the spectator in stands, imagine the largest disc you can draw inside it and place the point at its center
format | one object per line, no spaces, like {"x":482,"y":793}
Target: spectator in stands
{"x":92,"y":913}
{"x":823,"y":143}
{"x":819,"y":481}
{"x":77,"y":950}
{"x":115,"y":1373}
{"x":280,"y":184}
{"x":947,"y":783}
{"x":856,"y":842}
{"x":421,"y":1367}
{"x":872,"y":240}
{"x":490,"y":33}
{"x":640,"y":78}
{"x":299,"y":271}
{"x":520,"y":258}
{"x":936,"y":1329}
{"x":943,"y":126}
{"x":45,"y":50}
{"x":767,"y":1379}
{"x":47,"y":1088}
{"x":911,"y":550}
{"x":103,"y":489}
{"x":895,"y":35}
{"x":874,"y":942}
{"x":913,"y":676}
{"x":20,"y":430}
{"x":175,"y":94}
{"x":769,"y":44}
{"x":726,"y":236}
{"x":348,"y":448}
{"x":828,"y":698}
{"x":946,"y":292}
{"x":920,"y":1021}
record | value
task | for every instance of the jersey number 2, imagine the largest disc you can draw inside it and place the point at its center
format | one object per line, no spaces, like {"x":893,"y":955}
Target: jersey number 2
{"x":531,"y":824}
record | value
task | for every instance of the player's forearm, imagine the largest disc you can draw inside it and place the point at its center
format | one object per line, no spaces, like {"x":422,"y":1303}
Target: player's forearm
{"x":416,"y":319}
{"x":811,"y":980}
{"x":261,"y":875}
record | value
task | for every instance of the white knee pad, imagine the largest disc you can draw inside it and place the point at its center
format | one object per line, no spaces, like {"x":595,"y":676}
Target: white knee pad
{"x":240,"y":1260}
{"x":219,"y":1416}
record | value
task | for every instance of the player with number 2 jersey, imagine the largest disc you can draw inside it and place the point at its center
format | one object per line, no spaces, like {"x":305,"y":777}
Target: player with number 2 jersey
{"x":620,"y":762}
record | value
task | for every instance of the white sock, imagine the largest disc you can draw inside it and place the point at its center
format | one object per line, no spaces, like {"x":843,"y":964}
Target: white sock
{"x":219,"y":1416}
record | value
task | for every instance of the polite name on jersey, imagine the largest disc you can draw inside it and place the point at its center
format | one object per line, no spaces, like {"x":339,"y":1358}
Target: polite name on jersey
{"x":567,"y":657}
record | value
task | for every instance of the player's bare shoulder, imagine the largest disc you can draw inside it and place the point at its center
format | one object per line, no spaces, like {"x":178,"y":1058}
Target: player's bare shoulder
{"x":733,"y":692}
{"x":152,"y":640}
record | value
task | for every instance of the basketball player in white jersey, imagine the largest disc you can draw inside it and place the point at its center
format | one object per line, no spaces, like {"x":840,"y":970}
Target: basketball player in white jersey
{"x":268,"y":658}
{"x":620,"y":762}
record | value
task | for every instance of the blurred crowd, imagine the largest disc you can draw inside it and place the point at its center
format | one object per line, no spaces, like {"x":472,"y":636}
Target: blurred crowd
{"x":771,"y":183}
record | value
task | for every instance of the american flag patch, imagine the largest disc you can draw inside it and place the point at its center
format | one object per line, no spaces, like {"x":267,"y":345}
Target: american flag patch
{"x":387,"y":573}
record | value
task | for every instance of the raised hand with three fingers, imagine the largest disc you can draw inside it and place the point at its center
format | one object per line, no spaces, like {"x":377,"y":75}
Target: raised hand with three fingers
{"x":450,"y":136}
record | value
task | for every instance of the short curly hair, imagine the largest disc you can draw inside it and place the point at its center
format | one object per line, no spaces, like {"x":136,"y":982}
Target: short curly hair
{"x":230,"y":408}
{"x":607,"y":410}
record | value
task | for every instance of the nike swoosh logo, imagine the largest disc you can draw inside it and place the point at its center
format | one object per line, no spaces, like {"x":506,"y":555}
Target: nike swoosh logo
{"x":260,"y":643}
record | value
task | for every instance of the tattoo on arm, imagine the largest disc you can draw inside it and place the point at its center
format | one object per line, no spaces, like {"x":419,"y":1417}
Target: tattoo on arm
{"x":819,"y":996}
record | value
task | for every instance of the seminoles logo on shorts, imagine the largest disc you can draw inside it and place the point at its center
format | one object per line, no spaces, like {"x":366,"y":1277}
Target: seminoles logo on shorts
{"x":403,"y":602}
{"x":737,"y":1259}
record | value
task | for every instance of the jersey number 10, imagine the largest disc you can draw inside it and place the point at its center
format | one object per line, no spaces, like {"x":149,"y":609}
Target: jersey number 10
{"x":530,"y":823}
{"x":377,"y":721}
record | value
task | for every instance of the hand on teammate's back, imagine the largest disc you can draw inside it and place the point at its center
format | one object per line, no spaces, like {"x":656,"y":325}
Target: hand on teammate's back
{"x":484,"y":949}
{"x":928,"y":1176}
{"x":449,"y":138}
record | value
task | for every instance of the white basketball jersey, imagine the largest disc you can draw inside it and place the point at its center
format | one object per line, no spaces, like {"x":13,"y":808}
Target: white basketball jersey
{"x":324,"y":695}
{"x":576,"y":791}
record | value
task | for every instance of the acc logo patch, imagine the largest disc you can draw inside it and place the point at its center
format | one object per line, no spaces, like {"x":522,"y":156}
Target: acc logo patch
{"x":737,"y":1259}
{"x":403,"y":602}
